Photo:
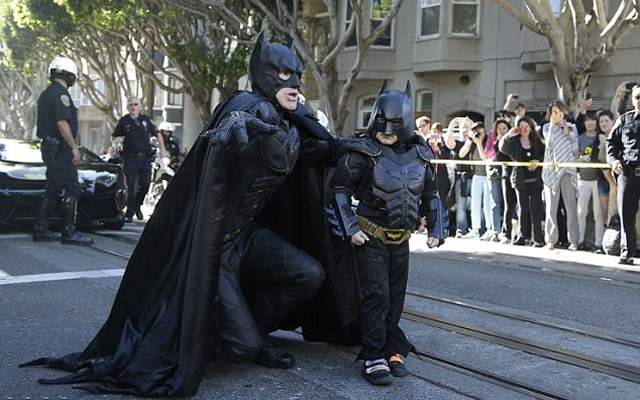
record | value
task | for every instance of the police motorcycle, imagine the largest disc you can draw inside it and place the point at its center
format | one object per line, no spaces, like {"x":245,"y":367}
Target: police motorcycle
{"x":161,"y":175}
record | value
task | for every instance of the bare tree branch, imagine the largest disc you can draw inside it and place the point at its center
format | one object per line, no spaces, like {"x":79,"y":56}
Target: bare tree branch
{"x":581,"y":40}
{"x":521,"y":17}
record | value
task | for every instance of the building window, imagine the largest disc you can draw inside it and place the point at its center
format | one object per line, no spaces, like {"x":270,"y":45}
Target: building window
{"x":351,"y":41}
{"x":320,"y":25}
{"x":429,"y":17}
{"x":379,"y":10}
{"x":174,"y":99}
{"x":465,"y":17}
{"x":425,"y":104}
{"x":426,"y":101}
{"x":365,"y":107}
{"x":556,"y":7}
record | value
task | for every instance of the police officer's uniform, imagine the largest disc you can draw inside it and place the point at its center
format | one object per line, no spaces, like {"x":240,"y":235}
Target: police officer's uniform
{"x":137,"y":153}
{"x":172,"y":146}
{"x":55,"y":104}
{"x":623,"y":144}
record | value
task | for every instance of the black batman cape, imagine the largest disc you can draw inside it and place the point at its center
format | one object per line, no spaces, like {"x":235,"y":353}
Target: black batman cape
{"x":162,"y":328}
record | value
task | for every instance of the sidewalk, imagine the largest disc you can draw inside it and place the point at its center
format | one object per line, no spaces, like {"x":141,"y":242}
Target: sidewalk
{"x":479,"y":247}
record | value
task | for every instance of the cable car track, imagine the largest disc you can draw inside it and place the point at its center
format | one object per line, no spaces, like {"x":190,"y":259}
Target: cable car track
{"x":516,"y":316}
{"x":616,"y":369}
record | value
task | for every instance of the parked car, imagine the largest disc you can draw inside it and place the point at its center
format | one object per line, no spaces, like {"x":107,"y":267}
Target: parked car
{"x":23,"y":180}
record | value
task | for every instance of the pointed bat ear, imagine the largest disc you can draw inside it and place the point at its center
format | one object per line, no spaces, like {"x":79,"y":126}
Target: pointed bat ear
{"x":383,"y":88}
{"x":407,"y":91}
{"x":290,"y":44}
{"x":262,"y":39}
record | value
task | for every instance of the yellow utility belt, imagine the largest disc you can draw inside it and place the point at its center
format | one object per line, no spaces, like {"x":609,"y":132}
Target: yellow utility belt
{"x":230,"y":236}
{"x":523,"y":163}
{"x":385,"y":235}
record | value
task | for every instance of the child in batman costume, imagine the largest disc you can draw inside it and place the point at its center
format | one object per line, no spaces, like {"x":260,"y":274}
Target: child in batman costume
{"x":208,"y":279}
{"x":390,"y":174}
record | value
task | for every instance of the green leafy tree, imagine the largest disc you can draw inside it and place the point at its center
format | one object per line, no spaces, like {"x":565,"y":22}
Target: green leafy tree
{"x":46,"y":29}
{"x":205,"y":49}
{"x":22,"y":77}
{"x":320,"y":42}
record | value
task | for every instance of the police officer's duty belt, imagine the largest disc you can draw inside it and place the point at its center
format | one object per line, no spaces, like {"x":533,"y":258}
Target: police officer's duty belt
{"x":385,"y":235}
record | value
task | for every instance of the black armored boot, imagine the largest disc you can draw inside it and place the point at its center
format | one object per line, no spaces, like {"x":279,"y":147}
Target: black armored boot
{"x":273,"y":357}
{"x":41,"y":232}
{"x":70,"y":234}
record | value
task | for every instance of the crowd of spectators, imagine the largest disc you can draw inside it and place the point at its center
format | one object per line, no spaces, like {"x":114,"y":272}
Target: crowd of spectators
{"x":541,"y":206}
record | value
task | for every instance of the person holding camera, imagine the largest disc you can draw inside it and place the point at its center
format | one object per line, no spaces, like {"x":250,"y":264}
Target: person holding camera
{"x":476,"y":147}
{"x":134,"y":131}
{"x":523,"y":143}
{"x":440,"y":151}
{"x":622,"y":155}
{"x":561,"y":141}
{"x":520,"y":108}
{"x":463,"y":173}
{"x":620,"y":101}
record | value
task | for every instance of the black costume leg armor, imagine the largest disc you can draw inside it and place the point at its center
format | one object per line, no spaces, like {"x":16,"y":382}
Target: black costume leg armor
{"x":382,"y":272}
{"x":240,"y":339}
{"x":276,"y":278}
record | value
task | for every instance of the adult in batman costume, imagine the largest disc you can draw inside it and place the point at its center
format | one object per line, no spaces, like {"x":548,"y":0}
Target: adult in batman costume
{"x":390,"y":173}
{"x":208,"y":279}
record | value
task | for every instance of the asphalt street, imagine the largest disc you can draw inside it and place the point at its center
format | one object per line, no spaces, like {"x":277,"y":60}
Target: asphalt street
{"x":54,"y":298}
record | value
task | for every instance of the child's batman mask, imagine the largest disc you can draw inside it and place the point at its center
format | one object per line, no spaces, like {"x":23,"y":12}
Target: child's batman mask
{"x":392,"y":114}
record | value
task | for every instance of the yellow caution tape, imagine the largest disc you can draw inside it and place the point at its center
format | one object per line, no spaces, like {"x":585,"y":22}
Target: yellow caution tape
{"x":523,"y":163}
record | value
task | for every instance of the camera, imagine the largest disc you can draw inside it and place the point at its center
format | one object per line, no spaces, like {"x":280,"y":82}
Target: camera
{"x":515,"y":96}
{"x":474,"y":134}
{"x":630,"y":85}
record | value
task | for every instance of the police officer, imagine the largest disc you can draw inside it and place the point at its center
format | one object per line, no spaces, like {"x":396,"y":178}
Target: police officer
{"x":134,"y":131}
{"x":169,"y":146}
{"x":623,"y":145}
{"x":58,"y":127}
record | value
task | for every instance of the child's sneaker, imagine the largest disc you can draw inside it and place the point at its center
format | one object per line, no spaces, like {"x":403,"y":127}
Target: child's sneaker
{"x":377,"y":372}
{"x":396,"y":364}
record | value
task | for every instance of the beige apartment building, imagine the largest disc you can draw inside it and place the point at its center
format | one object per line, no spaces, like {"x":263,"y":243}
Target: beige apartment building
{"x":465,"y":57}
{"x":462,"y":57}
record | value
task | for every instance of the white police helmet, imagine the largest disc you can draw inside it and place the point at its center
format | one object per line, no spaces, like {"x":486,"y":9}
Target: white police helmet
{"x":65,"y":68}
{"x":165,"y":126}
{"x":322,"y":119}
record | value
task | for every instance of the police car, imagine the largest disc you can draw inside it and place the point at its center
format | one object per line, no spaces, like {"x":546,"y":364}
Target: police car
{"x":23,"y":180}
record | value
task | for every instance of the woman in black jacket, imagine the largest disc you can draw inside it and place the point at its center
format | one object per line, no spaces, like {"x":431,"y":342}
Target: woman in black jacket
{"x":500,"y":129}
{"x":523,"y":143}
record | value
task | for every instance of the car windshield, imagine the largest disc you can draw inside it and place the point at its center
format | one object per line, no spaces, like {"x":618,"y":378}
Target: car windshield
{"x":20,"y":151}
{"x":28,"y":152}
